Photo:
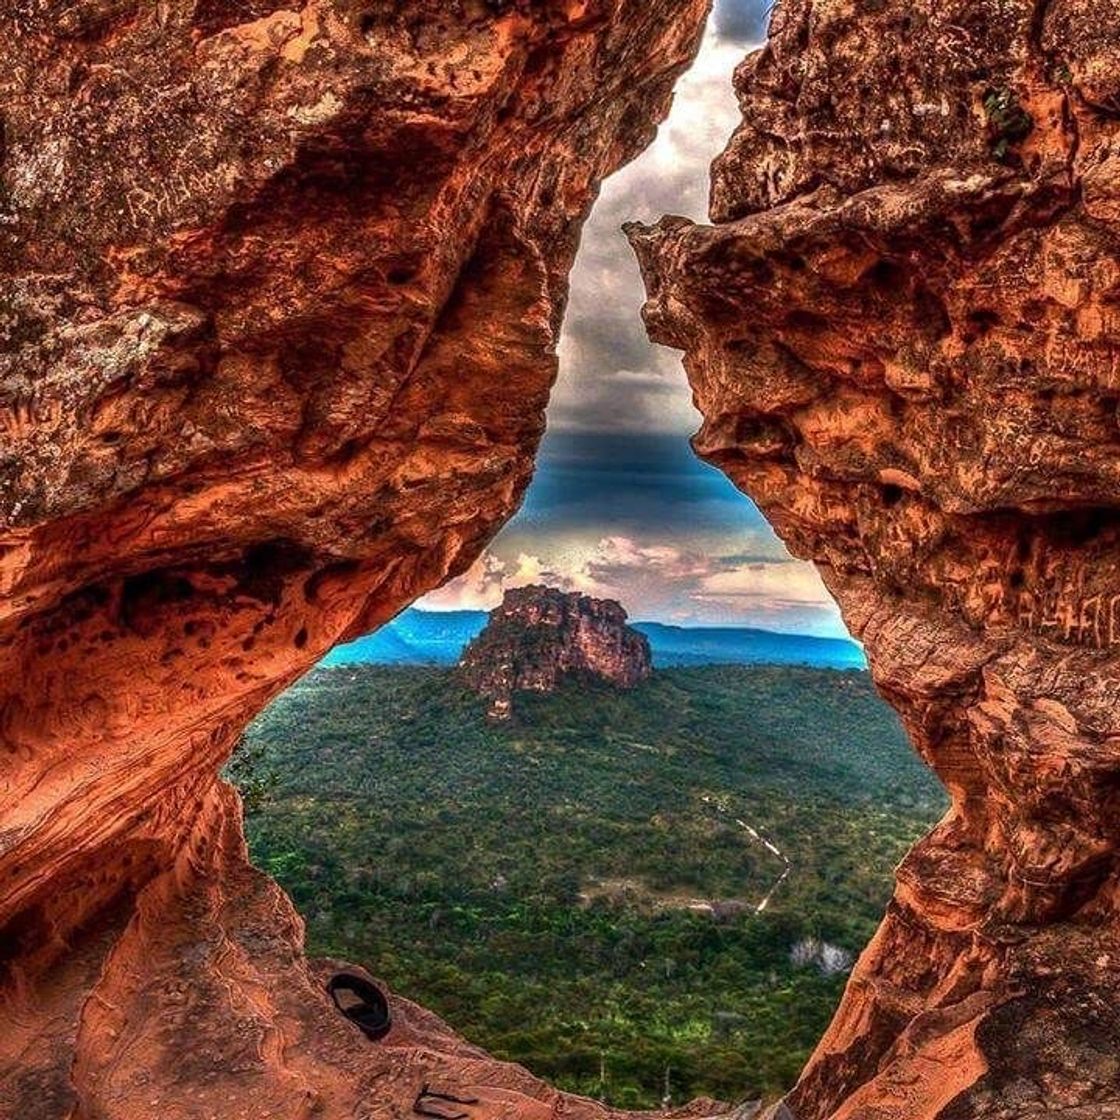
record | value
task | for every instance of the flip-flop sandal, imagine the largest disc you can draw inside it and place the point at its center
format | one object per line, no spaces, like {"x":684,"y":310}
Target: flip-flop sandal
{"x":363,"y":1003}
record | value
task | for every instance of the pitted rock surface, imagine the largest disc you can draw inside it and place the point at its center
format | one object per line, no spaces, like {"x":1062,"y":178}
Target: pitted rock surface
{"x":281,"y":292}
{"x":903,"y":332}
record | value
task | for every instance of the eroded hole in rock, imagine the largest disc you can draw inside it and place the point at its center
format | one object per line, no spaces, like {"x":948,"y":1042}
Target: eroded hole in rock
{"x":643,"y":886}
{"x":199,"y":231}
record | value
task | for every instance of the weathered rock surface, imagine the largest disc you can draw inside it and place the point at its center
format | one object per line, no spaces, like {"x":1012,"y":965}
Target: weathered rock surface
{"x":281,"y":291}
{"x":539,"y":636}
{"x":904,"y":335}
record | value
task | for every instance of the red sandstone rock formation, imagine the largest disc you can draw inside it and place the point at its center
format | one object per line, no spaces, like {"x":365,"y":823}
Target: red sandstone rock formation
{"x":540,"y":635}
{"x":904,"y":335}
{"x":281,"y":291}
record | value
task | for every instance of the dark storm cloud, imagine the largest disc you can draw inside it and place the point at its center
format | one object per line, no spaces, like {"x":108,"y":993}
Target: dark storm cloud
{"x":742,"y":20}
{"x":638,"y":518}
{"x":626,"y":482}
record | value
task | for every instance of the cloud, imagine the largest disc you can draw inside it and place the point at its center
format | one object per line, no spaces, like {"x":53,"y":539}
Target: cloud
{"x":764,"y":585}
{"x":611,"y":376}
{"x":596,"y":484}
{"x":621,"y":565}
{"x":481,"y":587}
{"x":659,"y":579}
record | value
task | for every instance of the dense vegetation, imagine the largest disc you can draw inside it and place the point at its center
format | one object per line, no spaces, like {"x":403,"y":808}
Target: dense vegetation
{"x":542,"y":884}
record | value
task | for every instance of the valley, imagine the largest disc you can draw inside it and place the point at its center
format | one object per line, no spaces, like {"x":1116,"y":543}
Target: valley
{"x":617,"y":889}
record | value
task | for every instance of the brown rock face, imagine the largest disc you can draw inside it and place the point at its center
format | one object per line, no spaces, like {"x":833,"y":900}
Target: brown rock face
{"x":281,"y":291}
{"x":540,"y":635}
{"x":904,"y":335}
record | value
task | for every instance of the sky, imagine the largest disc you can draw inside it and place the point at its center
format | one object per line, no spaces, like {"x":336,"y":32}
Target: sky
{"x":620,"y":507}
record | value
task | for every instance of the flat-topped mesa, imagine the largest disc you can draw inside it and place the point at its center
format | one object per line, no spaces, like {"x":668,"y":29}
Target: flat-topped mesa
{"x":280,"y":293}
{"x":540,"y":635}
{"x":904,"y":336}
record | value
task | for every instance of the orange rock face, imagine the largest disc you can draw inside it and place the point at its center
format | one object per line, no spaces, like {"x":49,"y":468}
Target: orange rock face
{"x":903,"y":332}
{"x":282,"y":287}
{"x":540,"y":635}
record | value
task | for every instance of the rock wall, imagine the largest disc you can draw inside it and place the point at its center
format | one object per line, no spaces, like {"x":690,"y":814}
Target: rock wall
{"x":282,"y":286}
{"x":903,"y":331}
{"x":539,"y":636}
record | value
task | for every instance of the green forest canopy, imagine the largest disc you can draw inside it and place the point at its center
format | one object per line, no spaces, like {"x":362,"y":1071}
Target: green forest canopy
{"x":577,"y":890}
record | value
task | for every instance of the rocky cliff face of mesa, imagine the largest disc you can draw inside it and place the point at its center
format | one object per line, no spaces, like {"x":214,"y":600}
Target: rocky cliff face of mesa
{"x":281,"y":292}
{"x":539,"y":636}
{"x":903,"y":332}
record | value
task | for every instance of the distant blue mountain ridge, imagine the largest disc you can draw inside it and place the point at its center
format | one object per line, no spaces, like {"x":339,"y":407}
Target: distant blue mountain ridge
{"x":418,"y":637}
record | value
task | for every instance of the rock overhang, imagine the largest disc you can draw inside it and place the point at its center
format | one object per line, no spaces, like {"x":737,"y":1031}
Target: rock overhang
{"x":282,"y":292}
{"x":899,"y":331}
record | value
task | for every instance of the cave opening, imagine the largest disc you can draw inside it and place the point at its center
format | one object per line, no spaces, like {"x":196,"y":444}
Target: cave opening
{"x":284,"y":288}
{"x":644,"y":896}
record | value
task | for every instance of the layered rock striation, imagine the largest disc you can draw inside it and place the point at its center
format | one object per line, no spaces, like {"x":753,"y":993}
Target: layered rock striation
{"x":903,"y":331}
{"x":540,"y":636}
{"x":281,"y":293}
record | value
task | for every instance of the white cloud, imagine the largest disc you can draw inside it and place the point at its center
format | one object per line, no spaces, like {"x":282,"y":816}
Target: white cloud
{"x":611,"y":376}
{"x":766,"y":587}
{"x":478,"y":589}
{"x":481,"y":587}
{"x":658,"y":579}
